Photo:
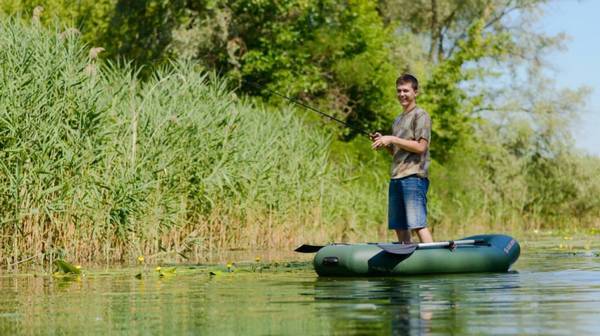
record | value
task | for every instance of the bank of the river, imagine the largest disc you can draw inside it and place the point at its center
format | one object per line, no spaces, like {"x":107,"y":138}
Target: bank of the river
{"x":564,"y":240}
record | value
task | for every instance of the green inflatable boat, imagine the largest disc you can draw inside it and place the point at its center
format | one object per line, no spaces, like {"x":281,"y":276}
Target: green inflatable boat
{"x":482,"y":253}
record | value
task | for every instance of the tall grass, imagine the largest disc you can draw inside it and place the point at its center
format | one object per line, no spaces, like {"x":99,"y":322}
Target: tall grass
{"x":492,"y":185}
{"x":98,"y":166}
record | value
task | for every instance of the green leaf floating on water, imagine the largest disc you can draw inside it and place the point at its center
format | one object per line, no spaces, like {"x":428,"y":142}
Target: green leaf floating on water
{"x":66,"y":267}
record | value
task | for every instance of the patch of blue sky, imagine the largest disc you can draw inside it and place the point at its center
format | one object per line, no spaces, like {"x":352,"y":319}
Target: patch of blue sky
{"x":579,"y":64}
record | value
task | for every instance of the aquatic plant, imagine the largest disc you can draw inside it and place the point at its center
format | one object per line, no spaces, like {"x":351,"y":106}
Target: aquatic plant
{"x":106,"y":167}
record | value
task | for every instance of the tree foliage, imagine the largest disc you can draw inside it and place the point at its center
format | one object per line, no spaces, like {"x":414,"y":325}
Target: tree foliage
{"x":334,"y":54}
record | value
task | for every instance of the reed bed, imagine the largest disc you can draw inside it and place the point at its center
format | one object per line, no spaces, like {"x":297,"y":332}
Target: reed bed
{"x":96,"y":165}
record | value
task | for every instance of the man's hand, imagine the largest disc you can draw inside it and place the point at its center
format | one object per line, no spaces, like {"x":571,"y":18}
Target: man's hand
{"x":381,"y":141}
{"x":374,"y":136}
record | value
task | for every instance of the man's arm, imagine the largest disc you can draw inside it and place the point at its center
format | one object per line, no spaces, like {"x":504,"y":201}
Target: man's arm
{"x":418,"y":147}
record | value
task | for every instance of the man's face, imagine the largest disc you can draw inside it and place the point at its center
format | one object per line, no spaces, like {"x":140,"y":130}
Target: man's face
{"x":406,"y":94}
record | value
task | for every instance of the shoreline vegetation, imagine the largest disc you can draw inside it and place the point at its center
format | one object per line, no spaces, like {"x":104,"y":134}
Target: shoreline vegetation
{"x":98,"y":165}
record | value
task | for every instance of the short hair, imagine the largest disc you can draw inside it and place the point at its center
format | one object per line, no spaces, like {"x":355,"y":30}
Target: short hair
{"x":408,"y":78}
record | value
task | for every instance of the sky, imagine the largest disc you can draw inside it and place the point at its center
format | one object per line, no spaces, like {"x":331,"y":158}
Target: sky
{"x":579,"y":64}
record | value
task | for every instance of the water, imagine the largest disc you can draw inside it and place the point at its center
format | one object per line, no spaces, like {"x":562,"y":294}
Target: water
{"x":551,"y":291}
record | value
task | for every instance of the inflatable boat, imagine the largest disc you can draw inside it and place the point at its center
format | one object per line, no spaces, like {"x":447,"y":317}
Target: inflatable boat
{"x":475,"y":254}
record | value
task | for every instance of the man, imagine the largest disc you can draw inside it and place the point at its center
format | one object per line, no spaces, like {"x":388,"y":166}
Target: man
{"x":409,"y":145}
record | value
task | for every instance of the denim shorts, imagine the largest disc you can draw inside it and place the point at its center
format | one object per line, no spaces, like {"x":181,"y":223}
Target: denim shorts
{"x":407,"y":203}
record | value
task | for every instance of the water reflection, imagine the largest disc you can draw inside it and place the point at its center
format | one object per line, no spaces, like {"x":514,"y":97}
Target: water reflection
{"x":410,"y":306}
{"x":376,"y":306}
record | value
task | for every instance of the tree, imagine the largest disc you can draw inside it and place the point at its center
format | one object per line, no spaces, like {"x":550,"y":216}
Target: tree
{"x":334,"y":54}
{"x":467,"y":44}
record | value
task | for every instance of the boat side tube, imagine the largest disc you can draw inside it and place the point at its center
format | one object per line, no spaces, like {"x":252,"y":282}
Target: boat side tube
{"x":492,"y":253}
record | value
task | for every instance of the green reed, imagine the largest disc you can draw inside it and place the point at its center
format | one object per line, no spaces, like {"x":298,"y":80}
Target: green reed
{"x":97,"y":165}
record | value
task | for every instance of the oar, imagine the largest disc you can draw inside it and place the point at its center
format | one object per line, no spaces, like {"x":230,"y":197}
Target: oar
{"x":305,"y":248}
{"x":396,"y":248}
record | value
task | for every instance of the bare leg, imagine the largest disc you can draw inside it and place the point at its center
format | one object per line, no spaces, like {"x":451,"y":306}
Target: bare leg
{"x":424,"y":235}
{"x":403,"y":236}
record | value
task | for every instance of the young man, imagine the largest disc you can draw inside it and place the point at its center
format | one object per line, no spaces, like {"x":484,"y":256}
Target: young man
{"x":409,"y":144}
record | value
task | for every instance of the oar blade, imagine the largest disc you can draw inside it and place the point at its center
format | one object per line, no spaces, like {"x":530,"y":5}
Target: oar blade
{"x":400,"y":249}
{"x":305,"y":248}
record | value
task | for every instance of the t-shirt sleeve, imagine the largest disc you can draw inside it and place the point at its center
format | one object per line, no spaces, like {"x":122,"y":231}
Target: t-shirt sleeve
{"x":423,"y":127}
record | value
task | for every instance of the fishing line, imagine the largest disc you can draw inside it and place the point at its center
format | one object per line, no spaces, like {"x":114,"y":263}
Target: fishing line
{"x":308,"y":107}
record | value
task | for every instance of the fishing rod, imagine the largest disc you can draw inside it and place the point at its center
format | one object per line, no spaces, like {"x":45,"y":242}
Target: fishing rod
{"x":308,"y":107}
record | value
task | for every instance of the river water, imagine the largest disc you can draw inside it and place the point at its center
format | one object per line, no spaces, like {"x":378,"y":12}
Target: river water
{"x":552,"y":290}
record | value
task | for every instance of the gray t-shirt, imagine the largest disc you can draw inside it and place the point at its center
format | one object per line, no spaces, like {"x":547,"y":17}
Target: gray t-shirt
{"x":412,"y":125}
